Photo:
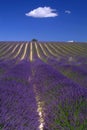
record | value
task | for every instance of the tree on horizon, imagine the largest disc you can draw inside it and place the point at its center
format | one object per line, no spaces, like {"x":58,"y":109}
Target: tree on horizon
{"x":34,"y":40}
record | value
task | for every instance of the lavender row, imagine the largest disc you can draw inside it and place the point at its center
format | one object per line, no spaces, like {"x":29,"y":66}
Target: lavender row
{"x":76,"y":72}
{"x":20,"y":70}
{"x":18,"y":109}
{"x":55,"y":90}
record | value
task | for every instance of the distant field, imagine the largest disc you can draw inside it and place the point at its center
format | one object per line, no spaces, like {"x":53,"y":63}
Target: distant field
{"x":31,"y":50}
{"x":43,"y":86}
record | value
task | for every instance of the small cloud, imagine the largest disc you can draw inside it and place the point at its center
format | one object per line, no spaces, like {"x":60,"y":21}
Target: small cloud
{"x":71,"y":41}
{"x":67,"y":11}
{"x":42,"y":12}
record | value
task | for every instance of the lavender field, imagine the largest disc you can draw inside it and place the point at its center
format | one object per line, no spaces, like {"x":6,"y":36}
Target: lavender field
{"x":43,"y":86}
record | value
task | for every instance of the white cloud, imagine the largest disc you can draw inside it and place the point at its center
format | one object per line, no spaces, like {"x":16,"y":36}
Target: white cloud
{"x":71,"y":41}
{"x":42,"y":12}
{"x":67,"y":11}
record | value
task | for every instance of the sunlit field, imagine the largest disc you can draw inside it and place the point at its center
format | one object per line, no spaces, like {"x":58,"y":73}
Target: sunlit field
{"x":43,"y":86}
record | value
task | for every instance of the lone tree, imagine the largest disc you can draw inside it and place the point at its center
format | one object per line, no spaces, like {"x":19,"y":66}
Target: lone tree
{"x":34,"y":40}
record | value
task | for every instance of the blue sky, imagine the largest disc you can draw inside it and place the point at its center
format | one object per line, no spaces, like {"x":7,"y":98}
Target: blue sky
{"x":45,"y":20}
